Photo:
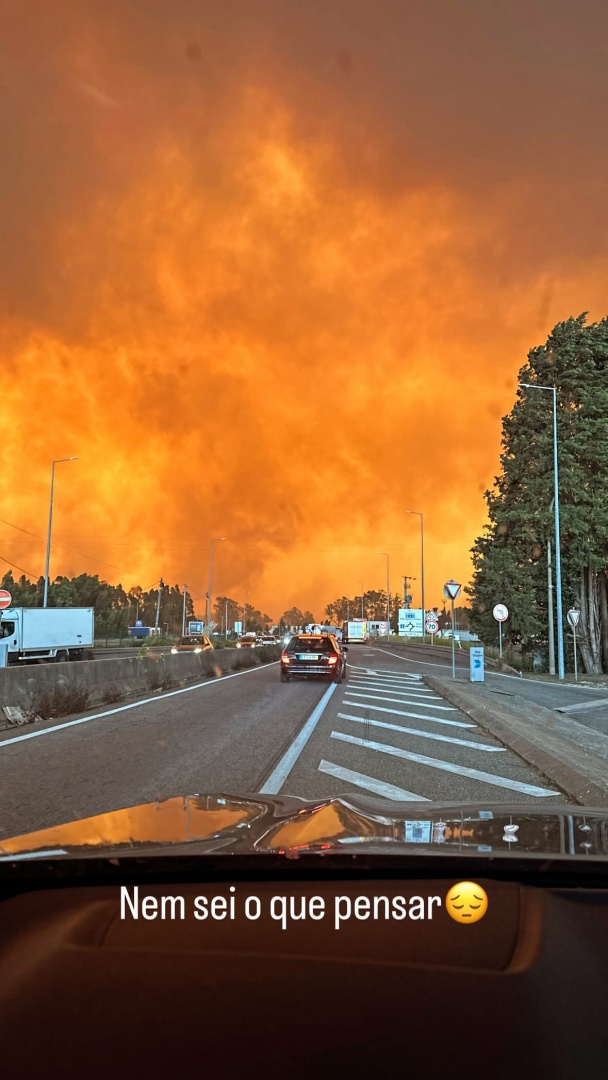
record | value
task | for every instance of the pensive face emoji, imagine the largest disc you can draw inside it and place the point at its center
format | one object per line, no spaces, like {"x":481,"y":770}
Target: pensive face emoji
{"x":466,"y":902}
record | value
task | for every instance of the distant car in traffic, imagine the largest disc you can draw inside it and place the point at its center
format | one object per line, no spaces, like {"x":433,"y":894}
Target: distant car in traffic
{"x":247,"y":641}
{"x":313,"y":656}
{"x":267,"y":639}
{"x":193,"y":643}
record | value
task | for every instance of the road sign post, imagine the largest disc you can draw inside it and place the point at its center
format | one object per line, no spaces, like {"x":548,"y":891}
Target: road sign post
{"x":432,"y":626}
{"x":501,"y":614}
{"x":573,"y":618}
{"x":451,"y":590}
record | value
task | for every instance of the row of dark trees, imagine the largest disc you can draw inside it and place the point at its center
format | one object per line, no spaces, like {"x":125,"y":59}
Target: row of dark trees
{"x":510,"y":559}
{"x":226,"y":612}
{"x":115,"y":608}
{"x":374,"y":609}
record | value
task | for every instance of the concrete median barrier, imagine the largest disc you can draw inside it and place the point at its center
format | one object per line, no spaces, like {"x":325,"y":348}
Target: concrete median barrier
{"x":47,"y":690}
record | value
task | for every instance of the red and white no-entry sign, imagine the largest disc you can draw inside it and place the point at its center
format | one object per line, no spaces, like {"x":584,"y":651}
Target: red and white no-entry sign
{"x":5,"y":598}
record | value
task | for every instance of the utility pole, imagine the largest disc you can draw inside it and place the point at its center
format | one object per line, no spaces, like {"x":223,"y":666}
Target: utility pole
{"x":160,"y":589}
{"x":407,"y":599}
{"x":184,"y":613}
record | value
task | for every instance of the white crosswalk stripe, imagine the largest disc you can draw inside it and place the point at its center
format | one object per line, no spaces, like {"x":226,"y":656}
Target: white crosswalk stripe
{"x":411,"y":715}
{"x":403,"y":701}
{"x":446,"y":766}
{"x":369,"y":783}
{"x":379,"y":693}
{"x":394,"y":688}
{"x":424,"y":734}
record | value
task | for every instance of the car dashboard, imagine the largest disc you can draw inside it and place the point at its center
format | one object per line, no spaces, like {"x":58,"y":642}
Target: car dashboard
{"x":104,"y":971}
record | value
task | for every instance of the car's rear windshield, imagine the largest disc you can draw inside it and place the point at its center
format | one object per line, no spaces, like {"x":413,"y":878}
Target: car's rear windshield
{"x":311,"y":644}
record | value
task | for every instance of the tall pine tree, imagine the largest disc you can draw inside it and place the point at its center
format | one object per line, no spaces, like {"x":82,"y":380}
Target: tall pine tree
{"x":510,"y":559}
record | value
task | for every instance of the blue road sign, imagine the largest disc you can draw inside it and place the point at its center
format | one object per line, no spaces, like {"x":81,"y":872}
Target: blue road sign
{"x":476,"y":665}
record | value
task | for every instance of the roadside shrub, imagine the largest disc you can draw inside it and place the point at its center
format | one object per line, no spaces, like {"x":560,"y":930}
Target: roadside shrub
{"x":112,"y":694}
{"x":160,"y":679}
{"x":268,"y":653}
{"x":246,"y":658}
{"x":50,"y":702}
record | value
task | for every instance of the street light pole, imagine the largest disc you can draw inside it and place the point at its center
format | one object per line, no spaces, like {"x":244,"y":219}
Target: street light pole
{"x":388,"y":597}
{"x":359,"y":582}
{"x":48,"y":538}
{"x":209,"y":608}
{"x":184,"y":614}
{"x":421,"y":516}
{"x":558,"y":562}
{"x":160,"y":589}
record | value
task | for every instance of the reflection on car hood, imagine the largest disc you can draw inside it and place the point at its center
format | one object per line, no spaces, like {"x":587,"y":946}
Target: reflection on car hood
{"x":249,"y":824}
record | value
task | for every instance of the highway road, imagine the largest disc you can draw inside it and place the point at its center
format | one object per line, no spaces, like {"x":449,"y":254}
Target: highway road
{"x":382,"y":732}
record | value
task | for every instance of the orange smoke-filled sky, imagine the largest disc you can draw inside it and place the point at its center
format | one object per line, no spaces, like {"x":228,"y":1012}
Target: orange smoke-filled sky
{"x":270,"y":270}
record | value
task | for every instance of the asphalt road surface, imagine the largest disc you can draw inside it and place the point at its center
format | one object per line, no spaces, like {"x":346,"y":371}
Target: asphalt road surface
{"x":381,"y":732}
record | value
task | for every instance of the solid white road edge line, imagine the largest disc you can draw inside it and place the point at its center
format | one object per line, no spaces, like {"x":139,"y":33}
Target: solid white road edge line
{"x":132,"y":705}
{"x":279,"y":775}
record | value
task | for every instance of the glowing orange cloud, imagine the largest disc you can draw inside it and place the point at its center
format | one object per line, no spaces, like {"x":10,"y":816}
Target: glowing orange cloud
{"x":252,"y":317}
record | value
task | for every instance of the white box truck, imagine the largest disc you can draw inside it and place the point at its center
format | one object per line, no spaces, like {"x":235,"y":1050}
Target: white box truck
{"x":47,"y":634}
{"x":353,"y":631}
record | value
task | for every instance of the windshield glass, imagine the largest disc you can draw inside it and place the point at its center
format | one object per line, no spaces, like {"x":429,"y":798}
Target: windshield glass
{"x":305,"y":330}
{"x":311,"y":645}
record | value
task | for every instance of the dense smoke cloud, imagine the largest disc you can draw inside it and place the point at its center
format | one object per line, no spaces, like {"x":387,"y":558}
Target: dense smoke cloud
{"x":271,"y":269}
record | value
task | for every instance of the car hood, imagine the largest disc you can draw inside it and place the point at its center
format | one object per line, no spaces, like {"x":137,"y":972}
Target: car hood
{"x":289,"y":826}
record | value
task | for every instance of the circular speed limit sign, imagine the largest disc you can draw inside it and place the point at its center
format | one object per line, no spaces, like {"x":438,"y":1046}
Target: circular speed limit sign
{"x":432,"y":627}
{"x":500,"y":612}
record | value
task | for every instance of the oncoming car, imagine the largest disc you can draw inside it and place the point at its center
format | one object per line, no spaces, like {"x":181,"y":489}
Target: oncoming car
{"x":247,"y":641}
{"x":198,"y":643}
{"x":313,"y":656}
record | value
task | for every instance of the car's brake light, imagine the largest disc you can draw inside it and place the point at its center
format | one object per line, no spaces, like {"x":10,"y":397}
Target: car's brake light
{"x":284,"y":659}
{"x":333,"y":660}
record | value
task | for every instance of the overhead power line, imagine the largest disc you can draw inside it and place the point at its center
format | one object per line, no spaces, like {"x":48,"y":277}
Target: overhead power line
{"x":29,"y":574}
{"x":71,"y":551}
